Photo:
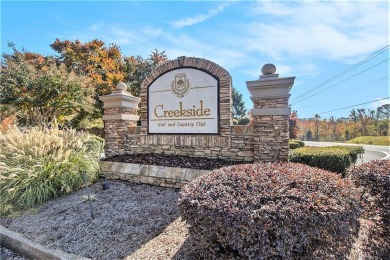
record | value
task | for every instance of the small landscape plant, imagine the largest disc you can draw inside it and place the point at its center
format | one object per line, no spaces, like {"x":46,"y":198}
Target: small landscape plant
{"x":373,"y":179}
{"x":331,"y":158}
{"x":300,"y":142}
{"x":40,"y":164}
{"x":294,"y":145}
{"x":271,"y":211}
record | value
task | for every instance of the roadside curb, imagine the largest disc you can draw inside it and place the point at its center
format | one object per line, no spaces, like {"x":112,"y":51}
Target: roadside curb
{"x":31,"y":250}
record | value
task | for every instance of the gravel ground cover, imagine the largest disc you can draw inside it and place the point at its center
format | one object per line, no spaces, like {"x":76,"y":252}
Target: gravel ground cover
{"x":127,"y":217}
{"x":200,"y":163}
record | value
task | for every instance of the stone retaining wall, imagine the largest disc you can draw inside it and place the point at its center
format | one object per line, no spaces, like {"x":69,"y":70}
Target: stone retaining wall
{"x":172,"y":177}
{"x":237,"y":147}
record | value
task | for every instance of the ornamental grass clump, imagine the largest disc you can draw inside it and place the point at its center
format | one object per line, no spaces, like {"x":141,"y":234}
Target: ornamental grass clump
{"x":373,"y":180}
{"x":40,"y":164}
{"x":271,"y":211}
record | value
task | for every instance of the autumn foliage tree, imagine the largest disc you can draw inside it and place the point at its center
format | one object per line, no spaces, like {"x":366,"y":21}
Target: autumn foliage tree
{"x":102,"y":64}
{"x":38,"y":90}
{"x":360,"y":122}
{"x":383,"y":119}
{"x":137,"y":68}
{"x":293,"y":125}
{"x":106,"y":66}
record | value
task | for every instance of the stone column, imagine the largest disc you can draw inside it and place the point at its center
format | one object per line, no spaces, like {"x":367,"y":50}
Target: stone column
{"x":120,"y":114}
{"x":270,"y":114}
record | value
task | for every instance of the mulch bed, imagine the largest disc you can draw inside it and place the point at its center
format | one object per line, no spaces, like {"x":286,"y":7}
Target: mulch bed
{"x":127,"y":216}
{"x":200,"y":163}
{"x":132,"y":221}
{"x":6,"y":254}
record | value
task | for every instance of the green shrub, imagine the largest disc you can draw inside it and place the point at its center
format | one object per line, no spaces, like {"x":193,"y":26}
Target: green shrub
{"x":300,"y":142}
{"x":294,"y":145}
{"x":243,"y":121}
{"x":270,"y":211}
{"x":41,"y":164}
{"x":354,"y":151}
{"x":331,"y":158}
{"x":373,"y":179}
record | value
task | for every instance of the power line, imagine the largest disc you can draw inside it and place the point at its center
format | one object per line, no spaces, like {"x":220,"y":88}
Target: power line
{"x":342,"y":81}
{"x":354,"y":105}
{"x":365,"y":85}
{"x":345,"y":71}
{"x":375,"y":54}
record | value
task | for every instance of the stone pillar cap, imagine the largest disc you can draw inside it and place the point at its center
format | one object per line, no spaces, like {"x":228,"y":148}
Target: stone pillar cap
{"x":268,"y":71}
{"x":121,"y":86}
{"x":268,"y":68}
{"x":269,"y":84}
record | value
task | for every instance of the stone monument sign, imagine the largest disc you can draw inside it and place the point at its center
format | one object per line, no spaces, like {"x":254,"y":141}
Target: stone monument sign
{"x":185,"y":109}
{"x":184,"y":101}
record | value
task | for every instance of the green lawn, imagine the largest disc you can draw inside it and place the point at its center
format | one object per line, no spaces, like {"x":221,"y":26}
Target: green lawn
{"x":377,"y":140}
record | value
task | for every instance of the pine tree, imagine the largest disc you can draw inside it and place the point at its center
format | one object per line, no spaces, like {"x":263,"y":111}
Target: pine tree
{"x":238,"y":108}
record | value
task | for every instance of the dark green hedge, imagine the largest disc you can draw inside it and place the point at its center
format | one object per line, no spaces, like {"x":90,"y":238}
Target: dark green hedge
{"x":294,"y":145}
{"x":331,"y":158}
{"x":300,"y":142}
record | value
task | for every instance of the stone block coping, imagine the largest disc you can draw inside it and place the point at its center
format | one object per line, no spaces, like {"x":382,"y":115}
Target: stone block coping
{"x":173,"y":177}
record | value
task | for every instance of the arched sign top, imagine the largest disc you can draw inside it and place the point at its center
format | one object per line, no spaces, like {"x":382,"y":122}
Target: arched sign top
{"x":186,"y":97}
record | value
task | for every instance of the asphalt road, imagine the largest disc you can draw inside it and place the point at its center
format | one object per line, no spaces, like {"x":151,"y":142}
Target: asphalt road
{"x":371,"y":152}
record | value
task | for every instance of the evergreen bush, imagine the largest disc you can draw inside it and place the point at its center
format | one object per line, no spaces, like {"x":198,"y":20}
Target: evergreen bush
{"x":332,"y":158}
{"x":271,"y":211}
{"x":294,"y":145}
{"x":300,"y":142}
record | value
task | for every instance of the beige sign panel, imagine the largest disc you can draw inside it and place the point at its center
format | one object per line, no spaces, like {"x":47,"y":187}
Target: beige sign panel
{"x":183,"y":101}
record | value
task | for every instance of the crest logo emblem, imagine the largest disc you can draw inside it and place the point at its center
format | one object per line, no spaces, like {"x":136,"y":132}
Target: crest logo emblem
{"x":180,"y":85}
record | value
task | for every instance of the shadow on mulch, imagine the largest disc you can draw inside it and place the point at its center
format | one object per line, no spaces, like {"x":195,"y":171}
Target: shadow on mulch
{"x":188,"y":251}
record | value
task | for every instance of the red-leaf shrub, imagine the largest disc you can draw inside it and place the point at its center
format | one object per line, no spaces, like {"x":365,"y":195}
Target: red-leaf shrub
{"x":271,"y":211}
{"x":373,"y":179}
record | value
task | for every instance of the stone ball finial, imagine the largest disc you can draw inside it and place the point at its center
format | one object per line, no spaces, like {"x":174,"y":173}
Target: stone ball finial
{"x":268,"y":69}
{"x":121,"y":86}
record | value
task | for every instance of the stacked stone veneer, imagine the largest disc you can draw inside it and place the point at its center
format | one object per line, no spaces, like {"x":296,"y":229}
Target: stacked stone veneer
{"x":116,"y":131}
{"x":237,"y":147}
{"x":263,"y":141}
{"x":120,"y":115}
{"x":271,"y":134}
{"x":270,"y":95}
